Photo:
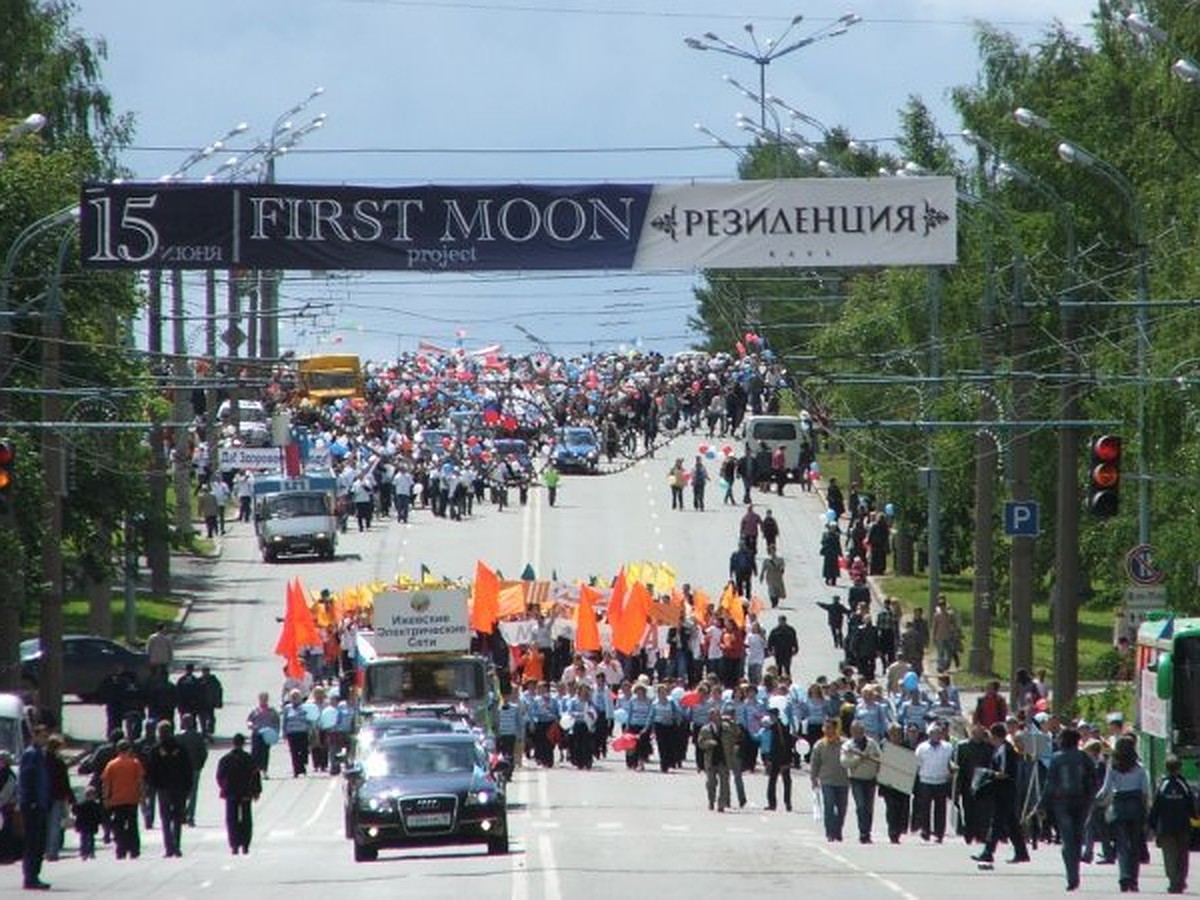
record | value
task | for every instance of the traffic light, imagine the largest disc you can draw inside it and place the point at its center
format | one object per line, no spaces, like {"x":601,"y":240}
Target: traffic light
{"x":8,"y":474}
{"x":1104,"y":476}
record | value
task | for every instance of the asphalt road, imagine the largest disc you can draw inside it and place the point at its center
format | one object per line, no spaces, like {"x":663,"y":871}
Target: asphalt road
{"x":605,"y":833}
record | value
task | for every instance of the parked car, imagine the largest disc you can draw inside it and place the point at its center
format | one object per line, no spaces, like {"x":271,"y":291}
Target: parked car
{"x":576,"y":449}
{"x":425,"y":790}
{"x":86,"y":659}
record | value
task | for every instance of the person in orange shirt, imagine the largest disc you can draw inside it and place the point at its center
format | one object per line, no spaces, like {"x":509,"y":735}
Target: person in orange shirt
{"x":122,"y":782}
{"x":535,"y":665}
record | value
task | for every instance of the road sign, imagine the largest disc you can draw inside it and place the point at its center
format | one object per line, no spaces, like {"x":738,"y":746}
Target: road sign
{"x":1022,"y":518}
{"x":1139,"y":565}
{"x":1146,"y":597}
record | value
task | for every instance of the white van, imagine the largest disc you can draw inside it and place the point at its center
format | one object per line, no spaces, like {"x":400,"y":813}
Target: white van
{"x":14,"y":726}
{"x":788,"y":431}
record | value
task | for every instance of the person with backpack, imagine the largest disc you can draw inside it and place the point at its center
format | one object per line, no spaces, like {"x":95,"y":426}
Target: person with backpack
{"x":1070,"y":785}
{"x":1170,"y":818}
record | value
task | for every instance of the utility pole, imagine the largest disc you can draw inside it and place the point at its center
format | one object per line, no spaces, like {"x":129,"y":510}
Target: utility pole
{"x":980,"y":659}
{"x":210,"y":356}
{"x":50,"y":668}
{"x":1021,"y":562}
{"x":158,"y":554}
{"x":933,"y":495}
{"x":181,"y":457}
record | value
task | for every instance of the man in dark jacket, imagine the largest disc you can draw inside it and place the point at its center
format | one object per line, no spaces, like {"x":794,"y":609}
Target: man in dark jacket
{"x":196,"y":747}
{"x":212,"y":698}
{"x":1006,"y":823}
{"x":1171,"y":820}
{"x":776,"y":741}
{"x":34,"y":796}
{"x":240,"y":784}
{"x":93,"y":766}
{"x":836,"y":613}
{"x":1070,"y":786}
{"x":170,"y":774}
{"x":188,"y":691}
{"x":782,"y":644}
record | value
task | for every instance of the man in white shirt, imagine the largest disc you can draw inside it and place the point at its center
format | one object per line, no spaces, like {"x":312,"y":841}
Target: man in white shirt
{"x":220,"y":492}
{"x":933,"y":783}
{"x":402,"y":488}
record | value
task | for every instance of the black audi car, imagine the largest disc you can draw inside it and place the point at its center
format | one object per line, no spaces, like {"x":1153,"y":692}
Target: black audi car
{"x":425,"y":790}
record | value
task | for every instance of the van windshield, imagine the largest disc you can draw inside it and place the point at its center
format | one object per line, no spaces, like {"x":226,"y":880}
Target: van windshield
{"x":409,"y":680}
{"x":9,"y":734}
{"x":774,"y":431}
{"x":294,"y":506}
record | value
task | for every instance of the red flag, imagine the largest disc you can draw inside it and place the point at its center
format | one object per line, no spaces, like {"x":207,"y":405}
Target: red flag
{"x":587,"y":632}
{"x":616,"y":602}
{"x":628,"y":635}
{"x":298,"y":629}
{"x":486,"y":607}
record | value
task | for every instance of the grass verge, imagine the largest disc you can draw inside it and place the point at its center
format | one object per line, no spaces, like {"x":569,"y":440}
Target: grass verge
{"x":150,"y":612}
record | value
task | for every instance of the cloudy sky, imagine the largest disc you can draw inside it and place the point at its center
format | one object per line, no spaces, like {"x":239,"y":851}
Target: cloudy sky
{"x":488,"y":91}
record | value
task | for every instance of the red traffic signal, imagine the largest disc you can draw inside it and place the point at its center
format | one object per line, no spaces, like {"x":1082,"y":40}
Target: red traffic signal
{"x":1104,"y":476}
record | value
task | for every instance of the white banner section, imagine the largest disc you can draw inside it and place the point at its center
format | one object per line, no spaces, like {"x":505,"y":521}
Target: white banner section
{"x":421,"y":621}
{"x":801,"y":222}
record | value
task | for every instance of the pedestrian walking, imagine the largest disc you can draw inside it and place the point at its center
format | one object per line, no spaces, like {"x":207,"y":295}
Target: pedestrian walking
{"x":240,"y":783}
{"x":296,"y":727}
{"x":551,"y":479}
{"x":769,"y":526}
{"x":831,"y":554}
{"x":782,"y":644}
{"x":830,"y":779}
{"x":771,"y":572}
{"x":776,"y":742}
{"x":1126,"y":797}
{"x":35,"y":798}
{"x":861,"y":757}
{"x":835,"y":614}
{"x":1002,"y":785}
{"x":170,"y":774}
{"x":123,"y":781}
{"x":717,"y":740}
{"x":88,"y":814}
{"x":62,"y":798}
{"x":196,"y":748}
{"x":263,"y":724}
{"x":897,"y":804}
{"x":699,"y":483}
{"x":933,"y":785}
{"x":677,"y":480}
{"x":1170,"y":819}
{"x":159,"y":651}
{"x":212,"y":698}
{"x":1070,"y":786}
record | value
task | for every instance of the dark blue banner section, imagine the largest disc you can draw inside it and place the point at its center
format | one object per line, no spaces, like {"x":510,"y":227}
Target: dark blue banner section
{"x":430,"y":228}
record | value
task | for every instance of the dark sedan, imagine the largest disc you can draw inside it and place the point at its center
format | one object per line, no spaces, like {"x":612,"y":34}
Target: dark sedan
{"x":425,"y":790}
{"x":87,"y":659}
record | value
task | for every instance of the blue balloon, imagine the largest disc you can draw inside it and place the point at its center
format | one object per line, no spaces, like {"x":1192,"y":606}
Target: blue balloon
{"x":830,"y":515}
{"x":677,"y":694}
{"x":621,"y":716}
{"x":711,"y":454}
{"x":911,"y":681}
{"x":889,"y":509}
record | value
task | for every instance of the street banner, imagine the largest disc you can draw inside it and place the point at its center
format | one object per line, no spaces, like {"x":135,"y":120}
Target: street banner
{"x":790,"y":223}
{"x":268,"y":459}
{"x":897,"y":767}
{"x":421,"y":621}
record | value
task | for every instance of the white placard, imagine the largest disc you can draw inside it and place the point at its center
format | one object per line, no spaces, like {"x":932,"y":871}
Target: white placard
{"x":421,"y":621}
{"x":897,"y":767}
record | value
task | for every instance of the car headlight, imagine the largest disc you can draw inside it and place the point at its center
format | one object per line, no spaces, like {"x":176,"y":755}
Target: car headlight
{"x":277,"y":538}
{"x":320,"y":536}
{"x":591,"y":454}
{"x":373,"y":804}
{"x":480,"y":798}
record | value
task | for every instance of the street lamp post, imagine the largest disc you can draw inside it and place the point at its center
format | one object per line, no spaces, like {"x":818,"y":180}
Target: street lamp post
{"x":762,"y":54}
{"x":1072,"y":153}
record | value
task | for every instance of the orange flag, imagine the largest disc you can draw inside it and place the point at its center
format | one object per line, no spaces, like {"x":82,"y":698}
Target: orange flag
{"x":587,"y":632}
{"x":298,"y":629}
{"x":616,"y":602}
{"x":628,"y":635}
{"x":701,"y":603}
{"x":732,"y":604}
{"x":486,"y":608}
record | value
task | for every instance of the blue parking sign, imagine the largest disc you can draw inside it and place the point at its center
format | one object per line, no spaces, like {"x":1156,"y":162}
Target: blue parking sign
{"x":1021,"y":518}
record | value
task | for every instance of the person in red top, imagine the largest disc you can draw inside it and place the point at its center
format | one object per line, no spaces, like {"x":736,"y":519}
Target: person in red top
{"x":123,"y":788}
{"x":733,"y":652}
{"x":779,"y":468}
{"x":991,"y":708}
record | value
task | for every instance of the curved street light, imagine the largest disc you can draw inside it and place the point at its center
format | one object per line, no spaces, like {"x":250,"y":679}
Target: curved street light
{"x":762,"y":54}
{"x":1184,"y":68}
{"x":1070,"y":152}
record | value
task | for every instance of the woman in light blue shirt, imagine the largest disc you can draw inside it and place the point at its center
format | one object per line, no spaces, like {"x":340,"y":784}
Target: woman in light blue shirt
{"x":1126,"y":797}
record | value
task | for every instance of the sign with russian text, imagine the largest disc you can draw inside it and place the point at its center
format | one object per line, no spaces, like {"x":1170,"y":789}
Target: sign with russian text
{"x":421,"y":621}
{"x":801,"y":222}
{"x":1152,"y":712}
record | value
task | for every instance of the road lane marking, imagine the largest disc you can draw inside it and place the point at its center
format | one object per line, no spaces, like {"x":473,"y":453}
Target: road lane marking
{"x":544,"y":823}
{"x":205,"y":884}
{"x":609,"y":826}
{"x":677,"y":828}
{"x":738,"y":829}
{"x":281,"y":834}
{"x":520,"y":876}
{"x":312,"y":820}
{"x":543,"y":784}
{"x":552,"y":890}
{"x":875,"y":876}
{"x":526,"y":532}
{"x":537,"y":536}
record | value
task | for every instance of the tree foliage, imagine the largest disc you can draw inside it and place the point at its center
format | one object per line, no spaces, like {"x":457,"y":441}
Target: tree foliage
{"x":1116,"y":98}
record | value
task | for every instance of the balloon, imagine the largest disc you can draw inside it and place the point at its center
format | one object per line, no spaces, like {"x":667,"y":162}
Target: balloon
{"x":703,"y":448}
{"x":710,"y":454}
{"x":689,"y":699}
{"x":830,"y":515}
{"x":447,"y":441}
{"x":727,"y":450}
{"x":328,"y":718}
{"x":911,"y":681}
{"x":625,"y":742}
{"x":269,"y":736}
{"x":566,"y":722}
{"x":677,"y":694}
{"x":889,"y":510}
{"x":802,"y":747}
{"x":311,"y":712}
{"x":621,"y":716}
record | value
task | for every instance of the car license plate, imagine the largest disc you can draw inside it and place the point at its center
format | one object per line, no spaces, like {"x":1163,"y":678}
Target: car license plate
{"x":428,"y":820}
